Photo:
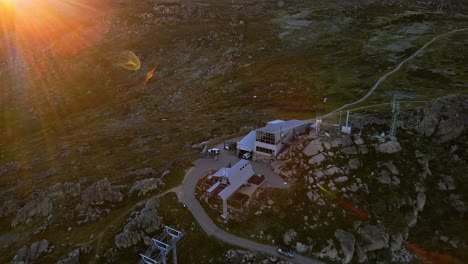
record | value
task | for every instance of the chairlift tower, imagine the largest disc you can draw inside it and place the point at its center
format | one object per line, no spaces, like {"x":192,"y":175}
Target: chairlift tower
{"x":396,"y":112}
{"x":160,"y":247}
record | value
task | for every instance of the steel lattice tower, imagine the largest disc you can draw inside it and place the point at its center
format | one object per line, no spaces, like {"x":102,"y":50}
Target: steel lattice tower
{"x":160,"y":248}
{"x":396,"y":112}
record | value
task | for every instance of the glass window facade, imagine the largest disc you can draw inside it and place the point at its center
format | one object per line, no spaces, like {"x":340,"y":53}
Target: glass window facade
{"x":264,"y":150}
{"x":266,"y":137}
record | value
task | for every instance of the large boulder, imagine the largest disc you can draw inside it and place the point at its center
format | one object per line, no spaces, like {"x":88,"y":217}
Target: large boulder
{"x":317,"y":159}
{"x":445,"y":117}
{"x":420,"y":201}
{"x":374,"y":236}
{"x":144,"y":186}
{"x":313,"y":148}
{"x":32,"y":253}
{"x":289,"y":236}
{"x":347,"y":241}
{"x":388,"y":147}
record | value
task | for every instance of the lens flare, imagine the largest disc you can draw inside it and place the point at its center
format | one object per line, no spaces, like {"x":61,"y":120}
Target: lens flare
{"x":345,"y":203}
{"x":428,"y":257}
{"x":127,"y":60}
{"x":150,"y":74}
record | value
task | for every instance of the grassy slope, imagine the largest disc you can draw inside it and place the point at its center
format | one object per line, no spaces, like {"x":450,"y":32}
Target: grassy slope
{"x":289,"y":76}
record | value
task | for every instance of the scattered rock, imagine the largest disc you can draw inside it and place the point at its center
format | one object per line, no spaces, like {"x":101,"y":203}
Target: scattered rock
{"x":420,"y":201}
{"x":354,"y":163}
{"x":332,"y":170}
{"x":317,"y":159}
{"x":72,"y":258}
{"x":412,"y":218}
{"x":384,"y":178}
{"x":341,"y":179}
{"x":396,"y":241}
{"x":10,"y":168}
{"x":375,"y":237}
{"x":301,"y":248}
{"x":350,"y":150}
{"x":347,"y":241}
{"x":329,"y":251}
{"x":391,"y":167}
{"x":449,"y":182}
{"x":83,"y":149}
{"x":289,"y":236}
{"x":361,"y":255}
{"x":459,"y":205}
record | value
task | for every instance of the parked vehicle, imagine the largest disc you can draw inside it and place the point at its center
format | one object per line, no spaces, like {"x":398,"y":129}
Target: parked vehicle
{"x":247,"y":155}
{"x":284,"y":251}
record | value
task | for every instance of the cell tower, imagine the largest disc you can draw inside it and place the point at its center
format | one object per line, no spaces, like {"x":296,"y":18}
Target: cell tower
{"x":396,"y":112}
{"x":160,"y":248}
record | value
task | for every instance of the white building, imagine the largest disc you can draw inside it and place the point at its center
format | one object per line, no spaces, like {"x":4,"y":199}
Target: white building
{"x":273,"y":138}
{"x":230,"y":180}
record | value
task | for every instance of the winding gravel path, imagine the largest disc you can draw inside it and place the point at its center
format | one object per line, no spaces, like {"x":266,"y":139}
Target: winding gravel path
{"x":186,"y":191}
{"x":384,"y":77}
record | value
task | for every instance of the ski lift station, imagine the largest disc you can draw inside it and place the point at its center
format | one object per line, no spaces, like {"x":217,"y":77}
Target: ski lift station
{"x":231,"y":180}
{"x":270,"y":140}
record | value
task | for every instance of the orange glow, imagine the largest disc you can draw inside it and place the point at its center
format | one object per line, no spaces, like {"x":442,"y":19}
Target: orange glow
{"x":345,"y":204}
{"x":149,"y":75}
{"x":427,"y":257}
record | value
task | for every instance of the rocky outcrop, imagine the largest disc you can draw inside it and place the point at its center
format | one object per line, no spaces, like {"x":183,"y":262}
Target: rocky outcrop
{"x":74,"y":256}
{"x":347,"y":241}
{"x":9,"y":207}
{"x":10,"y":168}
{"x":66,"y":188}
{"x":31,"y":254}
{"x":100,"y":192}
{"x":445,"y":117}
{"x":374,"y":236}
{"x":41,"y":206}
{"x":137,"y":227}
{"x":142,"y":172}
{"x":142,"y":187}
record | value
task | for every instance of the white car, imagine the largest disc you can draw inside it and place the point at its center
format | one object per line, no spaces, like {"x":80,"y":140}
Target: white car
{"x":284,"y":251}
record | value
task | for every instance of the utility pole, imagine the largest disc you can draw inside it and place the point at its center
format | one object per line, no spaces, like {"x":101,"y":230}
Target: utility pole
{"x":396,"y":112}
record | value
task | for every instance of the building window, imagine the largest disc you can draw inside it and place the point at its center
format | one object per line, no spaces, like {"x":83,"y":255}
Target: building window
{"x":265,"y":137}
{"x":264,"y":150}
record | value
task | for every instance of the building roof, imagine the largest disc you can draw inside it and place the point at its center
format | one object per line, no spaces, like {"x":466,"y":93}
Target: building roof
{"x":273,"y":127}
{"x":247,"y":143}
{"x":237,"y":175}
{"x":223,"y":172}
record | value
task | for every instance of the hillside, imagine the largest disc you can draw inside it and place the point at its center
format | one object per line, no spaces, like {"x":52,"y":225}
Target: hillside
{"x":89,"y":152}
